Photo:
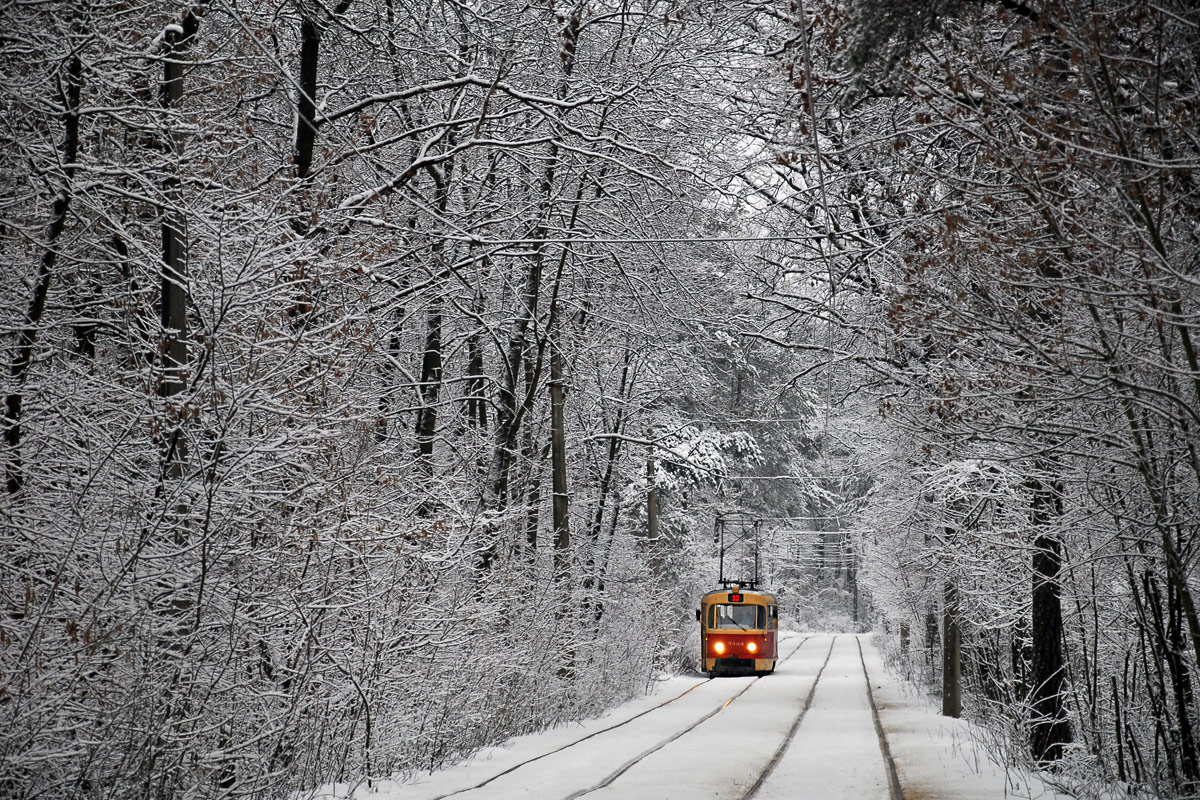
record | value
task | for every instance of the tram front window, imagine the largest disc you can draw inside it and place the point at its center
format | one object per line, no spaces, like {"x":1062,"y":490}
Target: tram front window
{"x":733,"y":617}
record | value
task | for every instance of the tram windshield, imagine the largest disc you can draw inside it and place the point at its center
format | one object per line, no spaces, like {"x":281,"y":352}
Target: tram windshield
{"x":734,"y":617}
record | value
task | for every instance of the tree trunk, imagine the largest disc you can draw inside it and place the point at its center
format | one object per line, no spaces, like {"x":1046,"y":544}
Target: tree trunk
{"x":1181,"y":687}
{"x":509,"y":413}
{"x":558,"y":467}
{"x":429,"y":388}
{"x":652,"y":519}
{"x":18,"y":369}
{"x":932,"y":639}
{"x":306,"y":98}
{"x":174,"y":273}
{"x":476,"y":399}
{"x":1049,"y":730}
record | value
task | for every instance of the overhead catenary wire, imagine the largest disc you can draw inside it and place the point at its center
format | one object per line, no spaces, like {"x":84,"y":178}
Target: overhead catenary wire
{"x":490,"y":242}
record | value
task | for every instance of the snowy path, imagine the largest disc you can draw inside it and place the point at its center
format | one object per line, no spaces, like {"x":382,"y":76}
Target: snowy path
{"x":806,"y":731}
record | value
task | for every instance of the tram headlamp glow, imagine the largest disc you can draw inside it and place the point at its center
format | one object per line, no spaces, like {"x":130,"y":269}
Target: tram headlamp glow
{"x":752,"y":647}
{"x":719,"y":648}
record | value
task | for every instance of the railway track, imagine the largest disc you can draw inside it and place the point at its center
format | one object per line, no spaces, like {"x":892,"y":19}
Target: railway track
{"x":612,"y":777}
{"x":791,"y":734}
{"x":844,"y":682}
{"x":895,"y":790}
{"x":647,"y":753}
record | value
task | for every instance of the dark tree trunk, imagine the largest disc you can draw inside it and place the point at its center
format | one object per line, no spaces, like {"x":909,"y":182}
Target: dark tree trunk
{"x":174,"y":276}
{"x":306,"y":94}
{"x":306,"y":99}
{"x":27,"y":337}
{"x":533,"y":463}
{"x":431,"y":359}
{"x":510,"y":411}
{"x":1049,"y":730}
{"x":558,"y":465}
{"x":429,"y":388}
{"x":1181,"y":687}
{"x":1169,"y":679}
{"x":476,"y":395}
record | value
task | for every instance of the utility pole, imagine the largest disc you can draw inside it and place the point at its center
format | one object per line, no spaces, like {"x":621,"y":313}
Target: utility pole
{"x":951,"y":653}
{"x":652,"y":516}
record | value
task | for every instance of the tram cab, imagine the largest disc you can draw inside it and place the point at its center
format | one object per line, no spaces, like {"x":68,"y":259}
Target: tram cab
{"x":738,"y":631}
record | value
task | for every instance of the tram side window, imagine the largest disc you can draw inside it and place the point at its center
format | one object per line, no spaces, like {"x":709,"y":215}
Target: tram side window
{"x":734,"y":617}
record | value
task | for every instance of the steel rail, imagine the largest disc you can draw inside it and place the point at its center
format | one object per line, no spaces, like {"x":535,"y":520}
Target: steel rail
{"x":568,"y":745}
{"x":791,"y":734}
{"x":895,"y":790}
{"x":645,"y":754}
{"x":594,"y":734}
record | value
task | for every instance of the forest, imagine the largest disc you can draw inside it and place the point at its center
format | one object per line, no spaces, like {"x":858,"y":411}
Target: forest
{"x":376,"y":372}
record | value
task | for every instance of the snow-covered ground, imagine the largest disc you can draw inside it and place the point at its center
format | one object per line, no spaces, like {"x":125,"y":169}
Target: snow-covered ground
{"x":937,"y":757}
{"x":695,"y":738}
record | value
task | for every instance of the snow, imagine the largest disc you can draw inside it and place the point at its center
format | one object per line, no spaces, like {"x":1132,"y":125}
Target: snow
{"x":937,"y":757}
{"x":695,"y":739}
{"x":836,"y":753}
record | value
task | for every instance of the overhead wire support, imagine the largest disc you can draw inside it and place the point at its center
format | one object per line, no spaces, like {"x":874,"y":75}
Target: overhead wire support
{"x":739,"y":536}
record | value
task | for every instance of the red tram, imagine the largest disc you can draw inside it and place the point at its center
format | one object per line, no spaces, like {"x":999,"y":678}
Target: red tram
{"x":738,"y":631}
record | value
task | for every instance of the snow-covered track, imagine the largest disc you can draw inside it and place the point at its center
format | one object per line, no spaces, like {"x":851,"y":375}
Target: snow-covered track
{"x":895,"y":790}
{"x":840,"y":751}
{"x":680,"y":734}
{"x":578,"y":741}
{"x":658,"y":746}
{"x":791,"y":734}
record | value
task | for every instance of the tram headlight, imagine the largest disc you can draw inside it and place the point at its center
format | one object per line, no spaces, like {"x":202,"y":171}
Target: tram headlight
{"x":719,"y":648}
{"x":752,"y":647}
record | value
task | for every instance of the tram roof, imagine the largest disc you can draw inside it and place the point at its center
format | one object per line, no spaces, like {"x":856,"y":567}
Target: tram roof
{"x":751,"y":594}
